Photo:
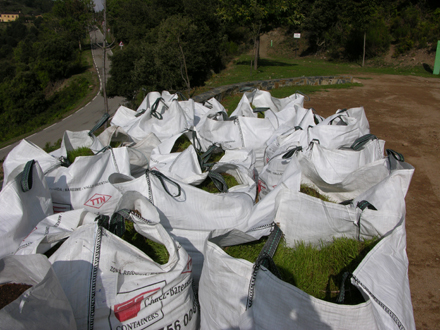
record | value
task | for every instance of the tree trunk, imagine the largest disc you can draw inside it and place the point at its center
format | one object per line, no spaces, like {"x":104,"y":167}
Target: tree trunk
{"x":186,"y":80}
{"x":256,"y":52}
{"x":363,"y":56}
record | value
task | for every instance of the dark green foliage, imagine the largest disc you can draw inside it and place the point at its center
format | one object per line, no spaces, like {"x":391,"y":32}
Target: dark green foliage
{"x":316,"y":270}
{"x":175,"y":49}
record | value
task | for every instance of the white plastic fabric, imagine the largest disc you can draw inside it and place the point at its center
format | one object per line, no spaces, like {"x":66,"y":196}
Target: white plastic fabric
{"x":42,"y":306}
{"x":225,"y":282}
{"x":261,"y":98}
{"x":84,"y":184}
{"x":190,"y":216}
{"x":53,"y":229}
{"x":113,"y":285}
{"x":340,"y":129}
{"x":22,"y":210}
{"x":330,"y":171}
{"x":183,"y":166}
{"x":24,"y":152}
{"x":74,"y":140}
{"x":140,"y":124}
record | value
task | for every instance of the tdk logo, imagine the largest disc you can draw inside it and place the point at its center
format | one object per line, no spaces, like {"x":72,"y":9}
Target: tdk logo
{"x":97,"y":201}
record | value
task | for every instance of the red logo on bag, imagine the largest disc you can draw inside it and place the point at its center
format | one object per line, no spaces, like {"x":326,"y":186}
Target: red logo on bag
{"x":130,"y":308}
{"x":97,"y":200}
{"x":188,"y":268}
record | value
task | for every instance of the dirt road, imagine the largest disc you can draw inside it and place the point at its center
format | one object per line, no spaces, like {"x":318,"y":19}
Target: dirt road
{"x":405,"y":112}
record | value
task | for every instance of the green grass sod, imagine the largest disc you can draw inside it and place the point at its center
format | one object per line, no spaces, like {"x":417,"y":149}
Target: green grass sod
{"x":81,"y":151}
{"x":317,"y":271}
{"x":156,"y":251}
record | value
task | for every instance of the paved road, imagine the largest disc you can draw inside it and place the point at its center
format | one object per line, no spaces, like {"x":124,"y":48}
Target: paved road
{"x":84,"y":118}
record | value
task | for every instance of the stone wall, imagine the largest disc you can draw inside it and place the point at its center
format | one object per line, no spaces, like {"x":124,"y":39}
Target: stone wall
{"x":223,"y":91}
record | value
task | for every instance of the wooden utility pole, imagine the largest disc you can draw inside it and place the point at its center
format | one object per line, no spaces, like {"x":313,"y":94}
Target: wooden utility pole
{"x":104,"y":48}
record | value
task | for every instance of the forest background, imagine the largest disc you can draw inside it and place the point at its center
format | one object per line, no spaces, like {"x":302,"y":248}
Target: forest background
{"x":177,"y":45}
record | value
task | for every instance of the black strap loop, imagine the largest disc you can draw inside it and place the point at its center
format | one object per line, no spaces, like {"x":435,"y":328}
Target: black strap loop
{"x":360,"y":142}
{"x":207,"y":104}
{"x":101,"y":122}
{"x":179,"y":93}
{"x":340,"y":117}
{"x":162,"y":178}
{"x":103,"y":150}
{"x":154,"y":107}
{"x":341,"y":296}
{"x":26,"y":178}
{"x":218,"y":181}
{"x":265,"y":258}
{"x":305,"y":95}
{"x":397,"y":155}
{"x":291,"y":152}
{"x":64,"y":161}
{"x":260,"y":110}
{"x":365,"y":204}
{"x":347,"y":202}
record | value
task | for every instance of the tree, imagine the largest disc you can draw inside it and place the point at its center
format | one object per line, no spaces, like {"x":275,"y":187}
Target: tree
{"x":173,"y":36}
{"x":74,"y":17}
{"x":259,"y":16}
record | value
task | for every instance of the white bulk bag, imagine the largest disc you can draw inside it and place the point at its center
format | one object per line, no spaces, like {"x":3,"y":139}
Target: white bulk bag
{"x":53,"y":229}
{"x":353,"y":184}
{"x":211,"y":108}
{"x":24,"y":152}
{"x":152,"y":97}
{"x":42,"y":306}
{"x":334,"y":165}
{"x":292,"y":115}
{"x":84,"y":184}
{"x":114,"y":134}
{"x":187,"y":212}
{"x":244,"y":109}
{"x":139,"y":152}
{"x":169,"y":119}
{"x":124,"y":117}
{"x":340,"y":129}
{"x":261,"y":98}
{"x":277,"y":170}
{"x":183,"y":166}
{"x":25,"y":200}
{"x":113,"y":285}
{"x":74,"y":140}
{"x":234,"y":294}
{"x":284,"y":139}
{"x":226,"y":133}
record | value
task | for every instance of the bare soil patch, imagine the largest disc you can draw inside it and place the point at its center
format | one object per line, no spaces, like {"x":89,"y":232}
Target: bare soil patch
{"x":404,"y":111}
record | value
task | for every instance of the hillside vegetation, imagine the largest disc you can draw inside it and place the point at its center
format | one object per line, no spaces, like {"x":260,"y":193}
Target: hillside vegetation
{"x":43,"y":68}
{"x":179,"y":44}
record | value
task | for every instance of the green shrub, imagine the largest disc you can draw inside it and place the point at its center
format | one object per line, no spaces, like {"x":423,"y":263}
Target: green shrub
{"x":317,"y":270}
